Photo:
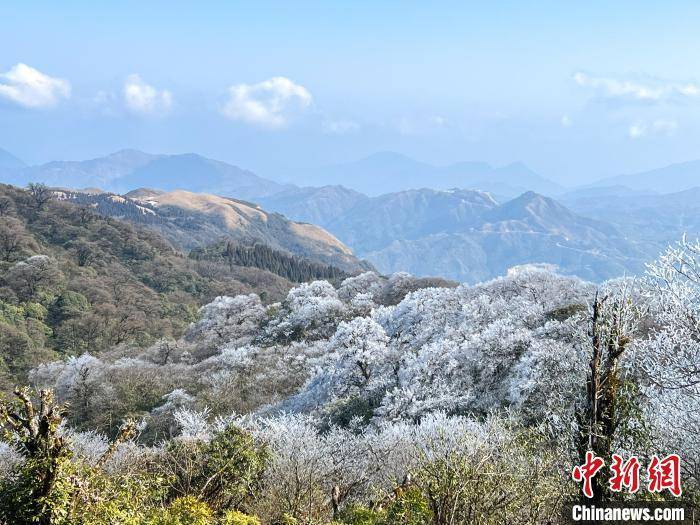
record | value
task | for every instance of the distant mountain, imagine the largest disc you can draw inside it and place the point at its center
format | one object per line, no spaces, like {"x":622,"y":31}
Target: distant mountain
{"x":9,"y":161}
{"x":594,"y":192}
{"x":411,"y":214}
{"x":388,"y":172}
{"x":532,"y":212}
{"x":314,"y":205}
{"x":510,"y":180}
{"x":467,"y":235}
{"x":199,"y":174}
{"x":129,"y":169}
{"x":673,"y":178}
{"x":195,"y":220}
{"x":643,"y":216}
{"x":103,"y":172}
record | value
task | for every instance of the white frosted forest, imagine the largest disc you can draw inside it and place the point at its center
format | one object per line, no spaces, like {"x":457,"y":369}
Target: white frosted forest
{"x":354,"y":397}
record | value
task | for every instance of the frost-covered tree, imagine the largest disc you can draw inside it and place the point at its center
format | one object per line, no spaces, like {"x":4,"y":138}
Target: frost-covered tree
{"x":228,"y":320}
{"x":670,"y":355}
{"x":365,"y":283}
{"x":361,"y":346}
{"x":310,"y":311}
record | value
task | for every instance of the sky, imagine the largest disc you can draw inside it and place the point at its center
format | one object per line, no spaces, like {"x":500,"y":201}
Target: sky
{"x":577,"y":91}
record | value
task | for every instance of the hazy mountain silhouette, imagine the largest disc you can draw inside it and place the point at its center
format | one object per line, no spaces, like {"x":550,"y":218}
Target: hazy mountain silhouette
{"x":9,"y":161}
{"x":388,"y":172}
{"x":672,"y":178}
{"x":128,"y":169}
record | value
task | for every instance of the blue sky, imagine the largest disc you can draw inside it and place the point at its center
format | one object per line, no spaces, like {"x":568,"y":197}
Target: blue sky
{"x":575,"y":91}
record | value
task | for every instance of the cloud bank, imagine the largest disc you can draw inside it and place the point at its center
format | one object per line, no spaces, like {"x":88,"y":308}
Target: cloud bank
{"x":272,"y":103}
{"x":650,"y":91}
{"x":657,"y":127}
{"x":30,"y":88}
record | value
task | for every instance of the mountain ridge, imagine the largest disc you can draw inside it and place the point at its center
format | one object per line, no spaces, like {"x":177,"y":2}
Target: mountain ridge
{"x":675,"y":177}
{"x":468,"y":235}
{"x":194,"y":220}
{"x":10,"y":161}
{"x":127,"y":169}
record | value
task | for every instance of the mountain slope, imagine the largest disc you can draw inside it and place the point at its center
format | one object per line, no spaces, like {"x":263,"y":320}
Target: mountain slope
{"x":192,"y":220}
{"x":409,"y":215}
{"x":528,"y":229}
{"x":9,"y":161}
{"x":315,"y":205}
{"x":646,"y":217}
{"x":466,"y":235}
{"x":531,"y":212}
{"x":100,"y":172}
{"x":198,"y":174}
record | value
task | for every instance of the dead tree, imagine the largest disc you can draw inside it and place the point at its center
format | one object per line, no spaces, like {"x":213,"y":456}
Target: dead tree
{"x":613,"y":321}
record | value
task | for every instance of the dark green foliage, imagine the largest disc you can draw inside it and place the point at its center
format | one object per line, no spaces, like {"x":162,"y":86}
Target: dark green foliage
{"x":355,"y":408}
{"x":261,"y":256}
{"x":565,"y":312}
{"x":223,"y":472}
{"x":40,"y":490}
{"x":50,"y":486}
{"x":407,"y":506}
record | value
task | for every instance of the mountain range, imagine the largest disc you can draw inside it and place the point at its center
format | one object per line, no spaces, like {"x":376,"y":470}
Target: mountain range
{"x":647,"y":217}
{"x":467,"y":235}
{"x":387,"y":172}
{"x":473,"y":223}
{"x":128,"y":169}
{"x":674,"y":178}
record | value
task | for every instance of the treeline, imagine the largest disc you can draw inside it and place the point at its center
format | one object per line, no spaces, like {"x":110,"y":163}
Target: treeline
{"x":261,"y":256}
{"x":110,"y":205}
{"x":141,"y":213}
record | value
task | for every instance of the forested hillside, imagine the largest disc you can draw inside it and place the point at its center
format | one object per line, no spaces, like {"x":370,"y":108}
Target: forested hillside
{"x":261,"y":256}
{"x":73,"y":281}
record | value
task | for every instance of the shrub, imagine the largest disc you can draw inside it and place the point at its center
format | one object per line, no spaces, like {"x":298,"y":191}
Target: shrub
{"x":222,"y":472}
{"x":184,"y":511}
{"x":234,"y":517}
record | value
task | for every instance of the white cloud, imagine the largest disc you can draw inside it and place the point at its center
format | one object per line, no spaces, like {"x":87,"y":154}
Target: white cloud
{"x":566,"y":121}
{"x":638,"y":129}
{"x":271,"y":103}
{"x":340,"y":127}
{"x":658,"y":127}
{"x":142,"y":98}
{"x":415,"y":125}
{"x":666,"y":127}
{"x":30,"y":88}
{"x":650,"y":91}
{"x":438,"y":120}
